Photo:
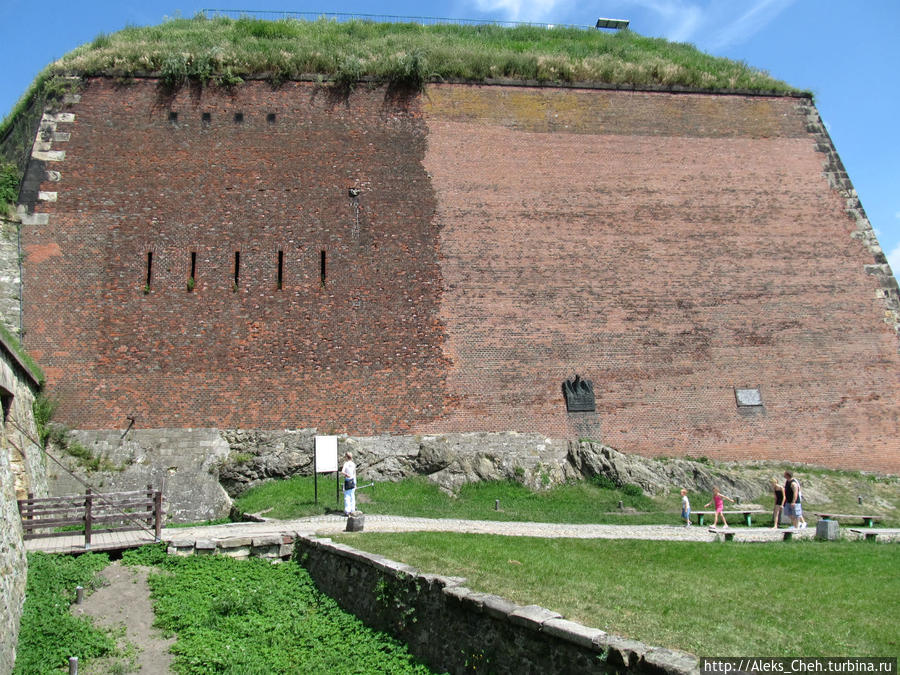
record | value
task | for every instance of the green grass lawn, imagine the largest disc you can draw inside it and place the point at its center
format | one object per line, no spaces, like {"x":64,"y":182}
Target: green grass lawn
{"x":581,"y":502}
{"x":796,"y":599}
{"x":576,"y":502}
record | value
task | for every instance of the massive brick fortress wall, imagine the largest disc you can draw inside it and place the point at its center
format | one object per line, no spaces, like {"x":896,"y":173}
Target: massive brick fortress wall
{"x":372,"y":263}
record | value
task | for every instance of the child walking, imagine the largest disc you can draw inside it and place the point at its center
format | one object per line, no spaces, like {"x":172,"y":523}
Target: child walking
{"x":685,"y":508}
{"x":718,"y":499}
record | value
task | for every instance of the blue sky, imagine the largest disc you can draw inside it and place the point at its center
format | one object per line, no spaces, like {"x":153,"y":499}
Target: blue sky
{"x":846,"y":53}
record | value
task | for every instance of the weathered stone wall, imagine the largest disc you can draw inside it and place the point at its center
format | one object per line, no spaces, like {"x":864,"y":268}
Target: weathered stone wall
{"x":10,"y":277}
{"x":481,"y":244}
{"x":21,"y":471}
{"x":457,"y":630}
{"x":183,"y":463}
{"x":13,"y":566}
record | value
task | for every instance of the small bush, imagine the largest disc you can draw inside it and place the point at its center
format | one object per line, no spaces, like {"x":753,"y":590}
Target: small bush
{"x":9,"y":184}
{"x":632,"y":490}
{"x":604,"y":482}
{"x":43,"y":408}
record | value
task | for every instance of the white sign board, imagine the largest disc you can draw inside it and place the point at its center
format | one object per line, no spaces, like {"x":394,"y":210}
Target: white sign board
{"x":326,"y":454}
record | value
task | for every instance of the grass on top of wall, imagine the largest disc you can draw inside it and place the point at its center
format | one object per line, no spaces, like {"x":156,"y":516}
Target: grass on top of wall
{"x":224,"y":50}
{"x":779,"y":599}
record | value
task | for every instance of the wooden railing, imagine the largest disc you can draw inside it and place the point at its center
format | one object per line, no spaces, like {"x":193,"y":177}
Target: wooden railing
{"x":116,"y":511}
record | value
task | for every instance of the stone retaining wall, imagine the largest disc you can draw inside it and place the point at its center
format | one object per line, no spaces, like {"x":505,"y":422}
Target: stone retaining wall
{"x":21,"y":471}
{"x":13,"y":569}
{"x":455,"y":629}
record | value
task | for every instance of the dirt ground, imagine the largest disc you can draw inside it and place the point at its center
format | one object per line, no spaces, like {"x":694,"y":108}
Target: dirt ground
{"x":123,"y":602}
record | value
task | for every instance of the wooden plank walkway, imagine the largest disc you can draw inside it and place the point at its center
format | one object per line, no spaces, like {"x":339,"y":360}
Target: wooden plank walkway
{"x":104,"y":541}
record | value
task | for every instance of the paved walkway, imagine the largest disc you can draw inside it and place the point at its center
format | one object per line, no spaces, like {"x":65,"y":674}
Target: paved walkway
{"x":325,"y":525}
{"x":332,"y":524}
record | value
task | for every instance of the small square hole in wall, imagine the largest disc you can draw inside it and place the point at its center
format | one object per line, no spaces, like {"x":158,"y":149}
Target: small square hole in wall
{"x":748,"y":397}
{"x":173,"y":116}
{"x":270,"y":118}
{"x":238,"y":117}
{"x":206,"y":118}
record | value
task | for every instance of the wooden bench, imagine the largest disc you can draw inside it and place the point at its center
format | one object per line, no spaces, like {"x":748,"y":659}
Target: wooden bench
{"x":867,"y":520}
{"x":747,"y":513}
{"x":872,"y":533}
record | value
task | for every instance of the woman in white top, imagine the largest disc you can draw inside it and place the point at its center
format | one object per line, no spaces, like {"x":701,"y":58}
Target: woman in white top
{"x":348,"y":471}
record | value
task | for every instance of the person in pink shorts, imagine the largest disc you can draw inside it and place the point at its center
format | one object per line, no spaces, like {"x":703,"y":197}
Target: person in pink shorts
{"x":719,"y":500}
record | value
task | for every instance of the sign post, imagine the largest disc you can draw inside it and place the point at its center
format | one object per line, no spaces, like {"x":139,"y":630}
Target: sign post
{"x":325,"y":460}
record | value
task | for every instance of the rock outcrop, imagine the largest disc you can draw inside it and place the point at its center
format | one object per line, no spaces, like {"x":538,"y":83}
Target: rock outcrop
{"x":659,"y":476}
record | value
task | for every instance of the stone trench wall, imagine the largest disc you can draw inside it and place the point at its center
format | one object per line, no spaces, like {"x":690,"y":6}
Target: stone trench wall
{"x":21,"y":471}
{"x":455,"y":629}
{"x":13,"y":567}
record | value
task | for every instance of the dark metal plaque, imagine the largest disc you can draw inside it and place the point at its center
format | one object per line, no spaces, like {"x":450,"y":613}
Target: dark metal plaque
{"x":579,"y":395}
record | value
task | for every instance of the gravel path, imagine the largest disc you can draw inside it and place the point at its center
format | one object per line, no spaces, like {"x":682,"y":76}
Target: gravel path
{"x":325,"y":525}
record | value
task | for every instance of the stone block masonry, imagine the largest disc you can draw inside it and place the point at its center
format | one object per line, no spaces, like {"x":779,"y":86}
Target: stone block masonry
{"x":293,"y":258}
{"x":22,"y":471}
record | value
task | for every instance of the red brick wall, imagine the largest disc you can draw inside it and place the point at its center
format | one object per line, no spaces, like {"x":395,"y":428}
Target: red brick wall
{"x":361,"y":352}
{"x":667,"y":247}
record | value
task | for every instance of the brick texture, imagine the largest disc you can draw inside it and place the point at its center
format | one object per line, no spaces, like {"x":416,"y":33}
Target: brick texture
{"x":668,"y":247}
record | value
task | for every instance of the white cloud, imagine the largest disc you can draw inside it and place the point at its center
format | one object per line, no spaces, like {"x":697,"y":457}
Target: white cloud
{"x":741,"y":28}
{"x":522,"y":10}
{"x":682,"y":20}
{"x":709,"y":24}
{"x":893,"y":258}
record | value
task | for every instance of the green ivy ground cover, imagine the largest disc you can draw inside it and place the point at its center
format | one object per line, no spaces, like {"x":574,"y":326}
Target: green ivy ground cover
{"x":229,"y":616}
{"x":49,"y":634}
{"x":249,"y":616}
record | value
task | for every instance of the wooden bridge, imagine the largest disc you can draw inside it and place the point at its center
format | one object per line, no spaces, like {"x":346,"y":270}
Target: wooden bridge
{"x":70,"y":524}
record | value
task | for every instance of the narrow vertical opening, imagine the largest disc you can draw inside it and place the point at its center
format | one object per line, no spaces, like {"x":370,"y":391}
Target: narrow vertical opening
{"x":192,"y":279}
{"x":322,"y":267}
{"x":237,"y":269}
{"x":149,"y":271}
{"x":6,"y":401}
{"x":280,"y":269}
{"x":270,"y":118}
